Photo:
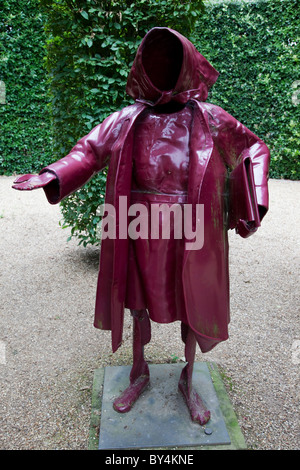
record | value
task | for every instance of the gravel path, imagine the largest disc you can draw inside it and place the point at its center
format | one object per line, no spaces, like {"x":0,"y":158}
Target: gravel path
{"x":49,"y":348}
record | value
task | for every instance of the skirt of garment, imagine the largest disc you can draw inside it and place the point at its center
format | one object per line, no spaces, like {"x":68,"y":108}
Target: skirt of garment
{"x":154,"y":279}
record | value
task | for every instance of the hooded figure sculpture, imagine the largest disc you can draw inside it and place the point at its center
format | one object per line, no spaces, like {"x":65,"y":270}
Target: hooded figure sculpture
{"x":167,"y":149}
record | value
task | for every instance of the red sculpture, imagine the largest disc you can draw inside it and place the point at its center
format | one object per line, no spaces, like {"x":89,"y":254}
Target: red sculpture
{"x":172,"y":148}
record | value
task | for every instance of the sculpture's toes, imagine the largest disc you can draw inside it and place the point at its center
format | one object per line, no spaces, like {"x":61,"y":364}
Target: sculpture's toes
{"x":197,"y":409}
{"x":126,"y":400}
{"x":202,"y":417}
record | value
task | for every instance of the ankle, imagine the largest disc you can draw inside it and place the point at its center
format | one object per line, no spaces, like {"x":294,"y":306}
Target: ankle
{"x":142,"y":370}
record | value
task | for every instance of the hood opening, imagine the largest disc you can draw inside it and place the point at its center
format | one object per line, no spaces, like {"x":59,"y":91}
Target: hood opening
{"x":162,"y":56}
{"x":167,"y":67}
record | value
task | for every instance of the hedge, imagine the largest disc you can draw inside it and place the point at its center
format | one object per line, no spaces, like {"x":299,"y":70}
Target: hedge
{"x":25,"y":134}
{"x":255,"y":47}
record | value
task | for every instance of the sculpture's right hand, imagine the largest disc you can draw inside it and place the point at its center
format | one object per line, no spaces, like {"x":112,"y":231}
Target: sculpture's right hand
{"x":29,"y":182}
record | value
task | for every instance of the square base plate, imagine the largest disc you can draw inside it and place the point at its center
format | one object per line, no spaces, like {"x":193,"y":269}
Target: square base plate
{"x":160,"y":417}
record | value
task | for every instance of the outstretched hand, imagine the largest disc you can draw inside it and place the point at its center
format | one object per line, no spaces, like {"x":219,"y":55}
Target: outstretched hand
{"x":29,"y":182}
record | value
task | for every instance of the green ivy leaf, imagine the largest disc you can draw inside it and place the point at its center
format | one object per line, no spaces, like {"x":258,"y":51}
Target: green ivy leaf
{"x":84,"y":14}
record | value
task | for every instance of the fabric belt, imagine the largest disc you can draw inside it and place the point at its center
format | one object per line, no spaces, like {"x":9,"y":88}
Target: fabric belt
{"x":144,"y":196}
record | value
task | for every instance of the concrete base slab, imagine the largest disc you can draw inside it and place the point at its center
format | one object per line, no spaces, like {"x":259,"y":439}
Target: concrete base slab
{"x":160,"y":418}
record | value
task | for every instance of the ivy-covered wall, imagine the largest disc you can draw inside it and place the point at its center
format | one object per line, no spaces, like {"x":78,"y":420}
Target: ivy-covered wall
{"x":25,"y":138}
{"x":255,"y":47}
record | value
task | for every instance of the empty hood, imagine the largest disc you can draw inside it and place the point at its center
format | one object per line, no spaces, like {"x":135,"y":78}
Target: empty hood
{"x":168,"y":67}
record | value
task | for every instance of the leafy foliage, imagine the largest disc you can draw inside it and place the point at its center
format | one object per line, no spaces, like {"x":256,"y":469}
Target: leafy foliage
{"x":255,"y":47}
{"x":91,"y":45}
{"x":25,"y":138}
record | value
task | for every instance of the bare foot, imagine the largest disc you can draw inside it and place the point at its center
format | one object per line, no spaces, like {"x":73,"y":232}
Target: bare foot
{"x":197,"y":409}
{"x":125,"y":401}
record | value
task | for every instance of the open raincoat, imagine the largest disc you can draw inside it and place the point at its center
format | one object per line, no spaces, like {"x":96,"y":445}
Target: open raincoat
{"x":169,"y":74}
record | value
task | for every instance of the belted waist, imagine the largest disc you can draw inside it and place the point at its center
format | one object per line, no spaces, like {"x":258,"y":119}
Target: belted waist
{"x":147,"y":196}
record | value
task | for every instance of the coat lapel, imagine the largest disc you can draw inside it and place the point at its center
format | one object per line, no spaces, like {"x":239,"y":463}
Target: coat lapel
{"x":111,"y":290}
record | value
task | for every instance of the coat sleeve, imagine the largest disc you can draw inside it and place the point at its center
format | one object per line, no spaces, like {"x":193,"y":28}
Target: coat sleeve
{"x":234,"y":142}
{"x":90,"y":155}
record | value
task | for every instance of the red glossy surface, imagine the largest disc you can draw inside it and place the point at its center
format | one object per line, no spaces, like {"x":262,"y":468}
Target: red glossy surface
{"x":169,"y":141}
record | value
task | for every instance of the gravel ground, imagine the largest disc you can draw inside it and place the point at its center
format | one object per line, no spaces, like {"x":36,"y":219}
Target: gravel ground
{"x":49,"y":348}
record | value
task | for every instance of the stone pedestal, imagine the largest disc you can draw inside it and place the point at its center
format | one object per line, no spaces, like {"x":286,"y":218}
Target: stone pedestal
{"x":160,"y":418}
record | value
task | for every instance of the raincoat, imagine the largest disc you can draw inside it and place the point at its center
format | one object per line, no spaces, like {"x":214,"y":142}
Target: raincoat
{"x":169,"y":82}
